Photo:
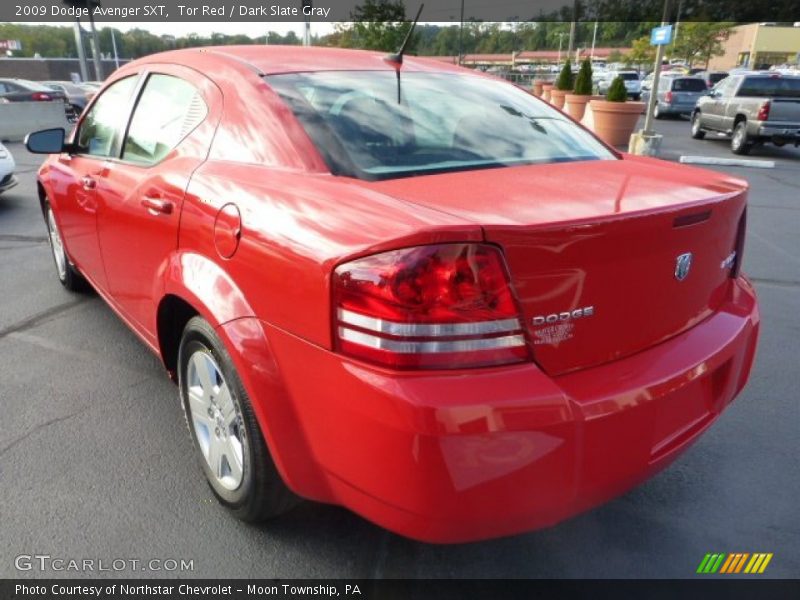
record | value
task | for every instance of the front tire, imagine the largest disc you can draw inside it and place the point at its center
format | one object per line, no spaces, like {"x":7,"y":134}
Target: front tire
{"x":740,"y":142}
{"x":67,"y":273}
{"x":697,"y":131}
{"x":232,"y":452}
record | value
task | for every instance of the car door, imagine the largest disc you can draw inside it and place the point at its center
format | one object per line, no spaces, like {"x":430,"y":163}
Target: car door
{"x":75,"y":174}
{"x":713,"y":106}
{"x":729,"y":102}
{"x":168,"y":137}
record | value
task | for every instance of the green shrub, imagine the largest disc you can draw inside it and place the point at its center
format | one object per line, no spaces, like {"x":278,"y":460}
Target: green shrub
{"x":565,"y":80}
{"x":616,"y":91}
{"x":583,"y":82}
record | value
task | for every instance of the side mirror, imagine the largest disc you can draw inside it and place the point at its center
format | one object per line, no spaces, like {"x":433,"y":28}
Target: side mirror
{"x":47,"y":141}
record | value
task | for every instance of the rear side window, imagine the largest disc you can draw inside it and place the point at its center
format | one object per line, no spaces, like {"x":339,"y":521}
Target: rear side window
{"x":716,"y":77}
{"x":168,"y":110}
{"x":688,"y":85}
{"x":778,"y":87}
{"x":105,"y":119}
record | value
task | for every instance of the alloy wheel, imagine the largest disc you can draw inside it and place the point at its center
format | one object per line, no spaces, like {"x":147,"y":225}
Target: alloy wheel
{"x":216,"y":419}
{"x":56,"y":245}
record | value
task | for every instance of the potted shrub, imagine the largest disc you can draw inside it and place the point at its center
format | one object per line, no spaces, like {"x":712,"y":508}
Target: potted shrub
{"x":564,"y":85}
{"x":613,"y":118}
{"x":576,"y":101}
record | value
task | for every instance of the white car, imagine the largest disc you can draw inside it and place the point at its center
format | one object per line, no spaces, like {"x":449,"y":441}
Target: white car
{"x":7,"y":178}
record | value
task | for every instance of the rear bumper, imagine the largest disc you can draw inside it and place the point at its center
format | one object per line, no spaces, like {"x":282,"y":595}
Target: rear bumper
{"x":459,"y":456}
{"x":676,"y":109}
{"x":788,"y":132}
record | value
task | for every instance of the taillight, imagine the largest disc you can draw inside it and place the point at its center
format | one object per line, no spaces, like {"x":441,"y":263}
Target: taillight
{"x":668,"y":97}
{"x":430,"y":307}
{"x":41,"y":97}
{"x":763,"y":111}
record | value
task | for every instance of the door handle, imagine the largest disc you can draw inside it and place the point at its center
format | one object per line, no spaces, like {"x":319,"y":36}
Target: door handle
{"x":156,"y":206}
{"x":88,"y":183}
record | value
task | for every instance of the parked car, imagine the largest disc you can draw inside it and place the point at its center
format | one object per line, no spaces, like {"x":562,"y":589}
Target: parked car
{"x":647,"y":82}
{"x":631,"y":79}
{"x":7,"y":166}
{"x":753,"y":108}
{"x":677,"y":95}
{"x":22,"y":90}
{"x":401,"y":307}
{"x":712,"y":78}
{"x":76,"y":95}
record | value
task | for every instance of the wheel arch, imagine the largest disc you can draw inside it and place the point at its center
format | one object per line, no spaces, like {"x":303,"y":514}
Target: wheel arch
{"x":194,"y":285}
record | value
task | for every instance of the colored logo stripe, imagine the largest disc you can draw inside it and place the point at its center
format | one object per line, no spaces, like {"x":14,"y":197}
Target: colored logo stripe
{"x":734,"y":562}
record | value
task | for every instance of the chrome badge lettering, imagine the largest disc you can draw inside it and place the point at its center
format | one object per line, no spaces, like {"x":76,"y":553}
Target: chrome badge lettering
{"x":682,"y":265}
{"x":560,"y":317}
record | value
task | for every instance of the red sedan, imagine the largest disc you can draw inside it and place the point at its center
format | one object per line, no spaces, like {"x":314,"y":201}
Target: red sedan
{"x":414,"y":291}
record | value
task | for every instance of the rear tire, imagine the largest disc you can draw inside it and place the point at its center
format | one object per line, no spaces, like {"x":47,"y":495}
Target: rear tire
{"x":740,"y":142}
{"x":65,"y":271}
{"x":231,"y":448}
{"x":657,"y":113}
{"x":697,"y":131}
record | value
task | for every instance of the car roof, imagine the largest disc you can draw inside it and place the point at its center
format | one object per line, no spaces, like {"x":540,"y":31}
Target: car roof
{"x":270,"y":60}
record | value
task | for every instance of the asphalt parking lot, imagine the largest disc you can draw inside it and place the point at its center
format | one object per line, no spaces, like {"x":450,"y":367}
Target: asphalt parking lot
{"x":95,"y":460}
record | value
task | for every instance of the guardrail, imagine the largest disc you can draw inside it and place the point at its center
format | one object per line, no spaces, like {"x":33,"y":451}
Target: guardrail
{"x":17,"y":119}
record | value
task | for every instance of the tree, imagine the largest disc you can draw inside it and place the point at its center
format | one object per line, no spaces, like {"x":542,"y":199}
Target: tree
{"x":616,"y":91}
{"x":699,"y":41}
{"x":642,"y":52}
{"x":376,"y":25}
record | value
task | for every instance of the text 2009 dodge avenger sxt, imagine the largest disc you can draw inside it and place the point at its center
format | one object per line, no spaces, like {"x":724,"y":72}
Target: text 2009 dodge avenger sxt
{"x":413,"y":290}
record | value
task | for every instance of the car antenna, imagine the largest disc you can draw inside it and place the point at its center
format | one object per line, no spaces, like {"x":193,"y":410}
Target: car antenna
{"x":396,"y":59}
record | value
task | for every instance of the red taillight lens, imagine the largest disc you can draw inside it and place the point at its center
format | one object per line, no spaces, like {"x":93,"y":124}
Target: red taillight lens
{"x":41,"y":97}
{"x":430,"y":307}
{"x":763,"y":111}
{"x":668,"y":97}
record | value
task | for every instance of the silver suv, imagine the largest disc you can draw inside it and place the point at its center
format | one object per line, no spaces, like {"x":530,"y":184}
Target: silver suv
{"x":753,"y":108}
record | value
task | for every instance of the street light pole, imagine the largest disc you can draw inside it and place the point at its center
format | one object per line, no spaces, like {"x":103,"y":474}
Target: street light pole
{"x":81,"y":50}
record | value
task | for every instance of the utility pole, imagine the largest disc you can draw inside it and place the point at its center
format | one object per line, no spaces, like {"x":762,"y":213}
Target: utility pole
{"x":651,"y":101}
{"x":560,"y":41}
{"x":461,"y":36}
{"x":594,"y":39}
{"x":307,"y":4}
{"x":114,"y":46}
{"x":572,"y":25}
{"x":81,"y":51}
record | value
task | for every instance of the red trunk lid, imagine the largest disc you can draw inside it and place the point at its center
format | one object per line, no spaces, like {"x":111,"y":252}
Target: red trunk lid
{"x":604,"y":236}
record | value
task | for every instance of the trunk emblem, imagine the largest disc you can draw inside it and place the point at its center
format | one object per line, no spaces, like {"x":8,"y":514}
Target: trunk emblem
{"x":682,"y":265}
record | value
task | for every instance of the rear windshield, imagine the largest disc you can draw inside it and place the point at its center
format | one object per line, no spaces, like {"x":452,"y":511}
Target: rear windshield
{"x":689,"y":85}
{"x":779,"y":87}
{"x":716,"y":77}
{"x":443,"y":122}
{"x":629,"y":76}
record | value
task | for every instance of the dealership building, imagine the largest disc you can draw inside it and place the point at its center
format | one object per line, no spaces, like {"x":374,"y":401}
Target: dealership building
{"x":759,"y":46}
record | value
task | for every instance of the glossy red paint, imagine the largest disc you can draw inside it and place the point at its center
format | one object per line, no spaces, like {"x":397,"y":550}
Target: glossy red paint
{"x":244,"y":222}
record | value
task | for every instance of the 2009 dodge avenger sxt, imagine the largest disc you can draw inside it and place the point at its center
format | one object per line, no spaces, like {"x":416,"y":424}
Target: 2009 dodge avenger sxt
{"x":411,"y":290}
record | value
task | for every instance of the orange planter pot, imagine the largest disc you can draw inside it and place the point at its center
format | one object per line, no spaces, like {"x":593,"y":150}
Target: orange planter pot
{"x":557,"y":97}
{"x":614,"y":121}
{"x":537,"y":86}
{"x":575,"y":105}
{"x":546,"y":89}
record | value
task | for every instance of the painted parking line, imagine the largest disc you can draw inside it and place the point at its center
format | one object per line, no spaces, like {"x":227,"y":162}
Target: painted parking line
{"x":727,"y":162}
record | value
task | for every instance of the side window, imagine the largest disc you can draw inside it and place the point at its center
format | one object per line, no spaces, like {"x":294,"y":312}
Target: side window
{"x":105,"y":119}
{"x":168,"y":110}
